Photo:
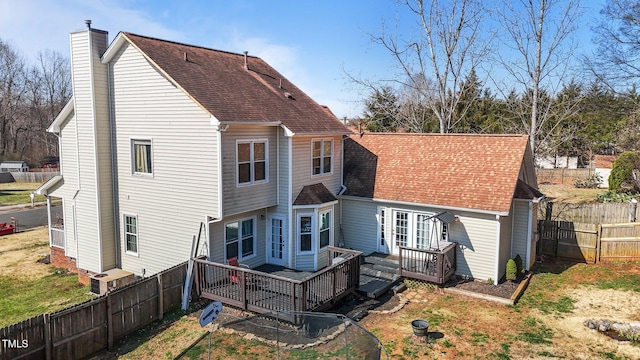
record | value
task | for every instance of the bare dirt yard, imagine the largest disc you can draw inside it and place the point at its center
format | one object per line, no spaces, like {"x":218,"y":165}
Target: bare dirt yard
{"x":568,"y":193}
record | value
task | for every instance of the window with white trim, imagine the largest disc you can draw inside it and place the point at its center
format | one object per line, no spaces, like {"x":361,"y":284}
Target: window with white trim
{"x":321,"y":156}
{"x":240,"y":239}
{"x":305,"y":233}
{"x":131,"y":234}
{"x":252,"y":161}
{"x":325,"y":229}
{"x":141,"y":161}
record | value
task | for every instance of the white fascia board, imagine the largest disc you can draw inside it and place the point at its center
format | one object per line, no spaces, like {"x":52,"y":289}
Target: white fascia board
{"x":287,"y":132}
{"x":315,"y":206}
{"x":64,"y":114}
{"x":44,"y":188}
{"x":113,"y":48}
{"x":349,"y":197}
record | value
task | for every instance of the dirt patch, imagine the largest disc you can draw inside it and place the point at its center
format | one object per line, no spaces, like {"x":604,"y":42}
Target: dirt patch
{"x":21,"y":251}
{"x":505,"y":289}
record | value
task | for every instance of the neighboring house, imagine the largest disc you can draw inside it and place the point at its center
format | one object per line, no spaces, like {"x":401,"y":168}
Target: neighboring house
{"x":160,"y":137}
{"x":603,"y":165}
{"x":557,"y":162}
{"x":425,"y":190}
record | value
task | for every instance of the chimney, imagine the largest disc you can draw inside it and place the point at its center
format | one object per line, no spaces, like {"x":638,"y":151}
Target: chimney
{"x":246,"y":64}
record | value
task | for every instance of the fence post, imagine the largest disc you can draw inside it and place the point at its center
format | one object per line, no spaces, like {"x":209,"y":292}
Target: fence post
{"x":160,"y":297}
{"x":598,"y":243}
{"x":109,"y":322}
{"x":47,"y":337}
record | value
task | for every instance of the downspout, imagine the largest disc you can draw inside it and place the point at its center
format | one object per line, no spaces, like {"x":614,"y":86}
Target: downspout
{"x":497,"y":260}
{"x":529,"y":230}
{"x":114,"y":169}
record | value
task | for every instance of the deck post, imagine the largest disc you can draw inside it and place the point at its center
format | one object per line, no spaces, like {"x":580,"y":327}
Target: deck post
{"x":243,"y":289}
{"x":400,"y":261}
{"x":293,"y":296}
{"x":196,"y":276}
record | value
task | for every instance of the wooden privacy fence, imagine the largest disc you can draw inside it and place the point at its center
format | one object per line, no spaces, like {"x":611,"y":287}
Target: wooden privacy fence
{"x":589,"y":242}
{"x":93,"y":326}
{"x":562,"y":176}
{"x":600,"y":213}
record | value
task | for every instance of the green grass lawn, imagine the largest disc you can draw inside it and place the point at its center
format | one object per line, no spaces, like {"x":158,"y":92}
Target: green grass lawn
{"x":18,"y":193}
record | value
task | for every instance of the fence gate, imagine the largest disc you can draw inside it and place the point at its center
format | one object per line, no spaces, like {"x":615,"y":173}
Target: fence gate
{"x":569,"y":240}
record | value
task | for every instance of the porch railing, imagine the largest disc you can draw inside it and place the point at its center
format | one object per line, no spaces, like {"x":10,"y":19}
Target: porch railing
{"x":431,"y":265}
{"x":263,"y":293}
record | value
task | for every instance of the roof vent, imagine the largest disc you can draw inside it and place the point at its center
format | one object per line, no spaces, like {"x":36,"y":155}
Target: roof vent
{"x":288,"y":95}
{"x":88,"y":23}
{"x":246,"y":64}
{"x":185,"y":57}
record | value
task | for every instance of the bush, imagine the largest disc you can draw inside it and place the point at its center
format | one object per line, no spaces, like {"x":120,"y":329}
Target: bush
{"x":512,"y":270}
{"x":612,"y":197}
{"x":591,"y":182}
{"x":518,"y":261}
{"x":621,"y":176}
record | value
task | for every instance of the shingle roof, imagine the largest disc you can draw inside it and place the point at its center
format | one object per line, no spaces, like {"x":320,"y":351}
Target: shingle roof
{"x":219,"y":82}
{"x":315,"y":194}
{"x":452,"y":170}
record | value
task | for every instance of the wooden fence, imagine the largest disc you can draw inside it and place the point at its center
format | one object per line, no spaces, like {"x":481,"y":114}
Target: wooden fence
{"x":562,"y":176}
{"x":93,"y":326}
{"x":34,"y":176}
{"x":590,"y":243}
{"x":600,"y":213}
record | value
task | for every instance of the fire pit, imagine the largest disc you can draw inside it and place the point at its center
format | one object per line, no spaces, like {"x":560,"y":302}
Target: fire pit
{"x":420,"y":327}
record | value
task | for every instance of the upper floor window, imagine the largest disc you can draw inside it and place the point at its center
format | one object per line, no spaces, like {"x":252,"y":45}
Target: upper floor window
{"x":321,"y":156}
{"x":142,"y":161}
{"x":252,"y":161}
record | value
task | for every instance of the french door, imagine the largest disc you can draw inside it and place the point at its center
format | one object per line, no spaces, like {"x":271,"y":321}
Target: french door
{"x":275,"y":247}
{"x":400,"y":230}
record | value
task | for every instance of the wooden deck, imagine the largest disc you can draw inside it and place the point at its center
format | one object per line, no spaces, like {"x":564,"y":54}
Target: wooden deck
{"x":281,"y":290}
{"x":432,"y":265}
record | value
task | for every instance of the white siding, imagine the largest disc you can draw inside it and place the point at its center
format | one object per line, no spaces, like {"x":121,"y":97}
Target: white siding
{"x":240,"y":199}
{"x":302,"y":165}
{"x":505,"y":245}
{"x":69,"y":171}
{"x":96,"y":246}
{"x":216,"y":231}
{"x":359,"y":225}
{"x":520,"y":229}
{"x":534,"y":236}
{"x":476,"y":238}
{"x":183,"y":189}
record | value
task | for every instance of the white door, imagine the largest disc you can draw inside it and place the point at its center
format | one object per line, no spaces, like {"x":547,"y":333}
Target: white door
{"x":384,"y":244}
{"x":275,"y":246}
{"x":400,"y":230}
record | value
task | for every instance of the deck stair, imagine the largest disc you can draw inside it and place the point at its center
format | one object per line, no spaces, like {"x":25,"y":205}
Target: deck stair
{"x":378,"y":273}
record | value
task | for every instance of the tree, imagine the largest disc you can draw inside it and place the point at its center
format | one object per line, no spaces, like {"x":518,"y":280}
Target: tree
{"x":538,"y":32}
{"x":12,"y":90}
{"x":446,"y":46}
{"x":381,"y":111}
{"x":617,"y":58}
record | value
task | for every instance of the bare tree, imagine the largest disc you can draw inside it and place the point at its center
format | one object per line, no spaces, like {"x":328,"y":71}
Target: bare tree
{"x":12,"y":89}
{"x":445,"y":47}
{"x":539,"y":33}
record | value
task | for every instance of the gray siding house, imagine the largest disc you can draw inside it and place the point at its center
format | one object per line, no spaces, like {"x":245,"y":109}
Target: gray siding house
{"x":163,"y":142}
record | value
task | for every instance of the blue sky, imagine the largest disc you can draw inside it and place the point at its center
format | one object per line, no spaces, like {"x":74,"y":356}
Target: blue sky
{"x":312,"y":43}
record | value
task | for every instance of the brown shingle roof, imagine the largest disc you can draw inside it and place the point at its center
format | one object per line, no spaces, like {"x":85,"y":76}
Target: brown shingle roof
{"x":604,"y":161}
{"x":315,"y":194}
{"x":219,"y":82}
{"x":454,"y":170}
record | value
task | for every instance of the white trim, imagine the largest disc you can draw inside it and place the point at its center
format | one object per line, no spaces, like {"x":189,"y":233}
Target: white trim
{"x":112,"y":50}
{"x":290,"y":224}
{"x":315,"y":206}
{"x":382,"y":222}
{"x":497,"y":259}
{"x":124,"y":235}
{"x":322,"y":156}
{"x":405,"y":203}
{"x":44,"y":188}
{"x":58,"y":122}
{"x":312,"y":232}
{"x":132,"y":157}
{"x":254,"y":218}
{"x":269,"y":233}
{"x":252,"y":180}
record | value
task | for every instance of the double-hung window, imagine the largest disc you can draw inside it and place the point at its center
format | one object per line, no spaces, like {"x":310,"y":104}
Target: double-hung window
{"x":252,"y":161}
{"x":306,"y":244}
{"x":131,"y":234}
{"x":321,"y":156}
{"x":141,"y":157}
{"x":240,"y":239}
{"x":325,"y":229}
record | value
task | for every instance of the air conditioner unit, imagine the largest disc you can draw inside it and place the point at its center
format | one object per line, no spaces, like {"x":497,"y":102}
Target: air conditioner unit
{"x":110,"y":279}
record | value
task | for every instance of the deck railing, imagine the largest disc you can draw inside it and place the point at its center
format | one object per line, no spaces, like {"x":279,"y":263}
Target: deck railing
{"x":263,"y":293}
{"x":431,"y":265}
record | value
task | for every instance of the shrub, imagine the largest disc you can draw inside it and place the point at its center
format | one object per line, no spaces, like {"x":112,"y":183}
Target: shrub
{"x":591,"y":182}
{"x":518,"y":261}
{"x":612,"y":197}
{"x":621,"y":176}
{"x":512,"y":270}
